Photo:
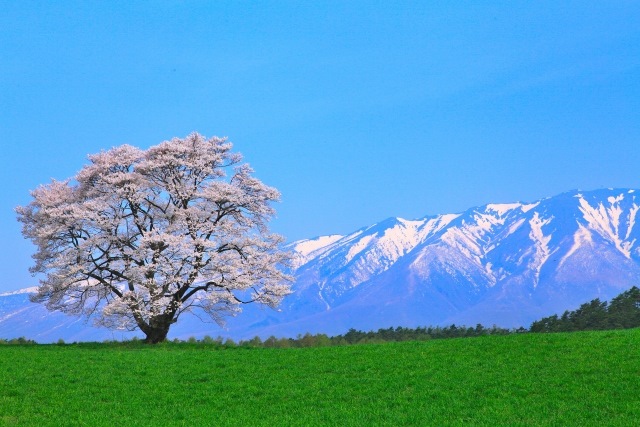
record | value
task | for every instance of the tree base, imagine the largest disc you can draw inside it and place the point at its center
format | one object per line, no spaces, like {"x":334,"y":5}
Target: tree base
{"x":155,"y":336}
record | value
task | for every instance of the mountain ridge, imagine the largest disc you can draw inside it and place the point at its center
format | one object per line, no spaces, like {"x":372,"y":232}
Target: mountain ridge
{"x":485,"y":246}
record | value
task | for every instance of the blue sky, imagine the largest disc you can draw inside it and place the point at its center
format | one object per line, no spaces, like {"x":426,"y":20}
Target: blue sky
{"x":355,"y":111}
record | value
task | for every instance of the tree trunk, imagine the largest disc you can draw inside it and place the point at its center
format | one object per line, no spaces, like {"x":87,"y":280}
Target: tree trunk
{"x":156,"y":335}
{"x":157,"y":329}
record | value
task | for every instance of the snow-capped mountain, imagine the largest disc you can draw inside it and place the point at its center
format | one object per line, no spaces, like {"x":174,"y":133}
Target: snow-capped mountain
{"x":504,"y":264}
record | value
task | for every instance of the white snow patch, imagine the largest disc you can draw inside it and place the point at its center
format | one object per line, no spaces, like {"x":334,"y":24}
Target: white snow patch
{"x":402,"y":237}
{"x":606,"y":222}
{"x":309,"y":249}
{"x":328,"y":307}
{"x":489,"y":270}
{"x":461,"y":240}
{"x":614,"y":200}
{"x":515,"y":226}
{"x":395,"y":242}
{"x":411,"y":223}
{"x":470,"y":238}
{"x":541,"y":243}
{"x":358,"y":247}
{"x":306,"y":247}
{"x":633,"y":212}
{"x":447,"y":218}
{"x":503,"y":208}
{"x":580,"y":238}
{"x":527,"y":208}
{"x":31,"y":290}
{"x":486,"y":222}
{"x":434,"y":225}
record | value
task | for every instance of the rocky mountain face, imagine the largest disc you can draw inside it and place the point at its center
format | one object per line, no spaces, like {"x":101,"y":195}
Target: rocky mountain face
{"x":503,"y":264}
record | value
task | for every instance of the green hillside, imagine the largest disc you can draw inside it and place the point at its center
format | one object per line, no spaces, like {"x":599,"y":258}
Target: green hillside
{"x":583,"y":378}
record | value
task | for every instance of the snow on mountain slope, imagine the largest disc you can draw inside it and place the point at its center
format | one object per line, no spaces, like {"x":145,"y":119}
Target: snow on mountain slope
{"x":20,"y":291}
{"x":353,"y":259}
{"x":614,"y":220}
{"x":307,"y":249}
{"x":505,"y":264}
{"x":525,"y":259}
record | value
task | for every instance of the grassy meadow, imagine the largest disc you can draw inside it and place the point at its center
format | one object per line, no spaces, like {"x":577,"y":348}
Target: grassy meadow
{"x":582,"y":378}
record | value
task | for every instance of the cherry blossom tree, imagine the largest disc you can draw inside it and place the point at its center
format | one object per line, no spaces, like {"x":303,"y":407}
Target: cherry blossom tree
{"x":139,"y":237}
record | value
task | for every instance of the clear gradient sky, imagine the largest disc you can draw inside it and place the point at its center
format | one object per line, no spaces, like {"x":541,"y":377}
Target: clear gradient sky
{"x":355,"y":111}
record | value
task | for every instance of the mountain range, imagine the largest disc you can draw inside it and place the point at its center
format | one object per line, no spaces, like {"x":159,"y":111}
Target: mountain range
{"x":497,"y":264}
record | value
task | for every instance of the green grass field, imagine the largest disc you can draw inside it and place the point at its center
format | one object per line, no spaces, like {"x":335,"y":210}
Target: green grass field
{"x":584,"y":378}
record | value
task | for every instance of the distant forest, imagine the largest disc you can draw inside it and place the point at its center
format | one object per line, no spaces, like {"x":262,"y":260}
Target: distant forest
{"x":623,"y":312}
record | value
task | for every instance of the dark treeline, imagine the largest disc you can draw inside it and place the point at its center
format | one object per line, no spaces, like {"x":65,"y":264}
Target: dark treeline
{"x":420,"y":333}
{"x":622,"y":312}
{"x":354,"y":336}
